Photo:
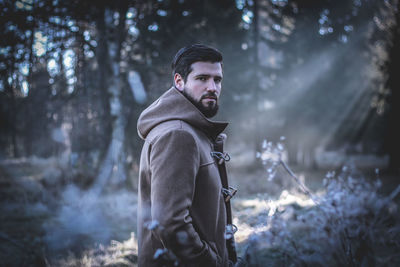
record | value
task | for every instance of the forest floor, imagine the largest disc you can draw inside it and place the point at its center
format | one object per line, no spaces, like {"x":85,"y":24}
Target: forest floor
{"x":45,"y":220}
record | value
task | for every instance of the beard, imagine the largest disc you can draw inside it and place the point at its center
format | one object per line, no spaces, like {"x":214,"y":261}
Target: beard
{"x":210,"y":109}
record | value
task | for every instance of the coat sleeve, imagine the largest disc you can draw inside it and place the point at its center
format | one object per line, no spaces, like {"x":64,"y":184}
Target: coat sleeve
{"x":174,"y":162}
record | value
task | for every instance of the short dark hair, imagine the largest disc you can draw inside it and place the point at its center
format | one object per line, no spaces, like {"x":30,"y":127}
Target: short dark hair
{"x":188,"y":55}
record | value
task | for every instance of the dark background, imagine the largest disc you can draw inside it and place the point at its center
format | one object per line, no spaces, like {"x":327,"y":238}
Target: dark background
{"x":321,"y":73}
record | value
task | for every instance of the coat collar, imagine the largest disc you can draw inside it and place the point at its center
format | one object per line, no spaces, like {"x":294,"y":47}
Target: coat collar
{"x":173,"y":105}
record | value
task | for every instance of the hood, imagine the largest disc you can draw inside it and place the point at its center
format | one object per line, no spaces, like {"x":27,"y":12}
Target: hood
{"x":173,"y":105}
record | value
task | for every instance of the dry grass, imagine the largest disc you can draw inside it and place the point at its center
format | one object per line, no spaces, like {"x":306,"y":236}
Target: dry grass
{"x":117,"y":254}
{"x":354,"y":223}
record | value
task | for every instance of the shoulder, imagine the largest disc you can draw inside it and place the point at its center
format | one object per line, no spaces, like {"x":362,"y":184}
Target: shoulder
{"x":172,"y":129}
{"x":174,"y":142}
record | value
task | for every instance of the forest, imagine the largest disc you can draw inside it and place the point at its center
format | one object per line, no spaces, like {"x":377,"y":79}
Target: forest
{"x":309,"y":92}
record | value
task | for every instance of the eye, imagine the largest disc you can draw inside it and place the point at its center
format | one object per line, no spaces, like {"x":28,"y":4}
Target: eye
{"x":218,"y":80}
{"x":202,"y":78}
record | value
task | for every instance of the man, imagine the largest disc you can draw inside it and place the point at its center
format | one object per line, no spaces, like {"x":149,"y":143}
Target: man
{"x":184,"y":215}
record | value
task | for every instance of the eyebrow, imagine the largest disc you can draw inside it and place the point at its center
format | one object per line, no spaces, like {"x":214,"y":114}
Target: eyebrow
{"x":208,"y":75}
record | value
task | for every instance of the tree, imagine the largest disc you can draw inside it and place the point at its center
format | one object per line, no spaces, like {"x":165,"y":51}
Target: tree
{"x":392,"y":64}
{"x":303,"y":48}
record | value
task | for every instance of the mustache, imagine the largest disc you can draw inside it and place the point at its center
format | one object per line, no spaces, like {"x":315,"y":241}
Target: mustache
{"x":209,"y":95}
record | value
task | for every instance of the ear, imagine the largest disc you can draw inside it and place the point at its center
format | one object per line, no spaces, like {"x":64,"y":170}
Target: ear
{"x":179,"y":82}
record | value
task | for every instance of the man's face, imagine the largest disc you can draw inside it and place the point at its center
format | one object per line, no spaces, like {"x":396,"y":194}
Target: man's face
{"x":202,"y":86}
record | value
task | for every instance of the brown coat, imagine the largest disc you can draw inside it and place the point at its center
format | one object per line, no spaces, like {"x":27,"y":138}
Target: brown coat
{"x":179,"y":184}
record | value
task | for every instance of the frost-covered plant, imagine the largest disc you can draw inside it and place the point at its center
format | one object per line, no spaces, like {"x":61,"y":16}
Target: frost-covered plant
{"x":271,"y":158}
{"x":350,"y":225}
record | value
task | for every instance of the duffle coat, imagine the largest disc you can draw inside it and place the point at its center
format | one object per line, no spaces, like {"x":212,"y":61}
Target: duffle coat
{"x":181,"y":207}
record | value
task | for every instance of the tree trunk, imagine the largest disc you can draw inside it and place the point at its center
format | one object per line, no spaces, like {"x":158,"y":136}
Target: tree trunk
{"x":13,"y":112}
{"x":112,"y":166}
{"x":28,"y":114}
{"x":13,"y":107}
{"x":392,"y":142}
{"x":256,"y":62}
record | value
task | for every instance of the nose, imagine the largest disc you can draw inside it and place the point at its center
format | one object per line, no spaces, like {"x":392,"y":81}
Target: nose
{"x":212,"y":86}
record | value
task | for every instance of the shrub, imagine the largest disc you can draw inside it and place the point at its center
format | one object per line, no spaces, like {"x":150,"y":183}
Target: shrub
{"x":350,"y":224}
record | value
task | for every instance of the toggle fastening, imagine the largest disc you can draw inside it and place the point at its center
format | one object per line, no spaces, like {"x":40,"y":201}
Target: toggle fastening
{"x":228,"y":193}
{"x":221,"y":156}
